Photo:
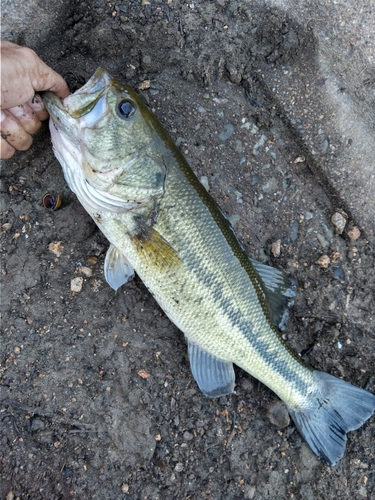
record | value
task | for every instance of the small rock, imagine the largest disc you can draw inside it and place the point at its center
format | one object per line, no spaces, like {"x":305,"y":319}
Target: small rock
{"x":233,"y":219}
{"x":239,"y":197}
{"x":146,"y":84}
{"x":143,"y":374}
{"x":238,"y":146}
{"x":259,"y":144}
{"x":204,"y":182}
{"x":56,"y":247}
{"x":86,"y":271}
{"x":37,"y":425}
{"x":354,"y":233}
{"x":339,"y":273}
{"x":275,"y":248}
{"x":323,"y":261}
{"x":250,"y":492}
{"x":226,"y":132}
{"x":16,"y":350}
{"x":299,"y":159}
{"x":294,"y":233}
{"x":270,"y":186}
{"x":335,"y":256}
{"x":278,"y":415}
{"x":188,"y":436}
{"x":125,"y":488}
{"x":5,"y":227}
{"x":179,"y":467}
{"x":76,"y":284}
{"x":324,"y":243}
{"x":362,"y":491}
{"x":339,"y":222}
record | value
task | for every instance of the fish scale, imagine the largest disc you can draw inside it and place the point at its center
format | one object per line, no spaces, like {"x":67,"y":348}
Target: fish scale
{"x":162,"y":223}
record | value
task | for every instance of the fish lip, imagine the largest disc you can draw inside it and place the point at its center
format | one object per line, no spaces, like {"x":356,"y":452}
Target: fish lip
{"x":99,"y":83}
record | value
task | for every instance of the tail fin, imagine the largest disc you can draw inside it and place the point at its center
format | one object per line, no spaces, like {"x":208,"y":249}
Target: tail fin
{"x":336,"y":408}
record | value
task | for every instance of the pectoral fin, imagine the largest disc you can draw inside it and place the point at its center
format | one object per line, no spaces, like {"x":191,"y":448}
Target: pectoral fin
{"x":117,"y":270}
{"x":153,"y":248}
{"x":279,"y":290}
{"x":214,"y":377}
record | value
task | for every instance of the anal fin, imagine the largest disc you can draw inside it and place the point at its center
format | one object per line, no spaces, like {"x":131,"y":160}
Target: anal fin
{"x":215,"y":378}
{"x":117,"y":270}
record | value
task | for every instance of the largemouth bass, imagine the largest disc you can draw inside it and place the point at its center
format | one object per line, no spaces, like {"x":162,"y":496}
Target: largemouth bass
{"x":161,"y":222}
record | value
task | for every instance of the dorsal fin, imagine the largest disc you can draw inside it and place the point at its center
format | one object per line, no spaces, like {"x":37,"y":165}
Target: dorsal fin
{"x":280,"y":291}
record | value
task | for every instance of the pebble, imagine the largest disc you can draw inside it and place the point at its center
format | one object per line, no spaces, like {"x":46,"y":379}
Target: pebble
{"x":270,"y":186}
{"x":226,"y":132}
{"x":180,"y":140}
{"x":354,"y":233}
{"x":239,"y":197}
{"x":323,"y":261}
{"x":125,"y":488}
{"x":294,"y":227}
{"x":76,"y":284}
{"x":278,"y":415}
{"x":325,"y":145}
{"x":37,"y":425}
{"x":179,"y":467}
{"x":339,"y":273}
{"x":324,"y":243}
{"x":339,"y":222}
{"x":233,"y":219}
{"x":259,"y":144}
{"x":56,"y":247}
{"x":238,"y":146}
{"x":309,"y":215}
{"x":6,"y":227}
{"x":86,"y":271}
{"x":204,"y":182}
{"x":275,"y":248}
{"x":201,"y":109}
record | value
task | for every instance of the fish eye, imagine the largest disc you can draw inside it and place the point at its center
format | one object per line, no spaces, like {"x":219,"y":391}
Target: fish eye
{"x":126,"y":109}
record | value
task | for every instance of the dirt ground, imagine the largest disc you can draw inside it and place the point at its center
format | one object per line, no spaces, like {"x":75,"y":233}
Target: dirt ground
{"x":97,"y":398}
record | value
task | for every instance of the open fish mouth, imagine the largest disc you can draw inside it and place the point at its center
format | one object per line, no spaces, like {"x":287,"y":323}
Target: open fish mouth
{"x":85,"y":99}
{"x":87,"y":106}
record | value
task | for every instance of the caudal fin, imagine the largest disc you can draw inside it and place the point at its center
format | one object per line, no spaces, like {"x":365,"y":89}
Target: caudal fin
{"x":336,"y":408}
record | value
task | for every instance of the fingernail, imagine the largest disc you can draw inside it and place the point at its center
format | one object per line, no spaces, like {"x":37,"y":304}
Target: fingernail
{"x":2,"y":116}
{"x":36,"y":103}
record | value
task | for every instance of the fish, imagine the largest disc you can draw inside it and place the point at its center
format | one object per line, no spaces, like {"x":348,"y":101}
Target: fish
{"x":163,"y":224}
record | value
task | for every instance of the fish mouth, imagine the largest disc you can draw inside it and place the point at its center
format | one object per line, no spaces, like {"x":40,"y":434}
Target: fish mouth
{"x":84,"y":100}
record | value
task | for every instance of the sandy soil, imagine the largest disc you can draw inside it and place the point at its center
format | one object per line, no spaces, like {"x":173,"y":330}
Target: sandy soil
{"x":97,"y":398}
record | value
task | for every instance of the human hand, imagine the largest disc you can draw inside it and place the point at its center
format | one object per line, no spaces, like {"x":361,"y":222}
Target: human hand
{"x":22,"y":111}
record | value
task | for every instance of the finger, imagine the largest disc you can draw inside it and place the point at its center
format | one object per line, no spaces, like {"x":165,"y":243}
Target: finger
{"x":13,"y":132}
{"x":37,"y":105}
{"x":50,"y":80}
{"x":26,"y":117}
{"x":6,"y":150}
